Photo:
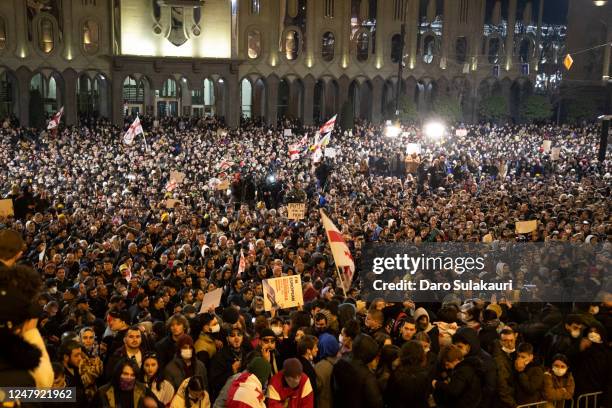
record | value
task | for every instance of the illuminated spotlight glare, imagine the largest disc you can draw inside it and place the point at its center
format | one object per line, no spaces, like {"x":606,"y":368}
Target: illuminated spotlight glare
{"x":600,"y":3}
{"x":271,"y":179}
{"x":434,"y":130}
{"x":392,"y":131}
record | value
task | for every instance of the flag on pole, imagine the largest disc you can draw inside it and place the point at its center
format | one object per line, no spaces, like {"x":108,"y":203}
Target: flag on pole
{"x":294,"y":151}
{"x":328,"y":126}
{"x":340,"y":251}
{"x":134,"y":129}
{"x":241,"y":264}
{"x":55,"y":120}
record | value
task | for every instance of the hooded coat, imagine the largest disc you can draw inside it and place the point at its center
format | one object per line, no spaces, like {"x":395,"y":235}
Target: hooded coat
{"x":431,"y":330}
{"x":17,"y":359}
{"x":463,"y":390}
{"x":489,"y":380}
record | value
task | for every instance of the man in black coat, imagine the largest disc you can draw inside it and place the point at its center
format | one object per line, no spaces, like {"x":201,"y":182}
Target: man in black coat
{"x":467,"y":340}
{"x":353,"y":383}
{"x":411,"y":381}
{"x":461,"y":387}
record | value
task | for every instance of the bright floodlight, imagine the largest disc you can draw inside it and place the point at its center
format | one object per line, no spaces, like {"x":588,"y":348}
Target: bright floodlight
{"x":434,"y":130}
{"x":392,"y":131}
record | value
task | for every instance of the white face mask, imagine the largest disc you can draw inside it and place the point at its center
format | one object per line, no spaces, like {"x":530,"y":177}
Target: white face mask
{"x":575,"y":333}
{"x":594,"y":337}
{"x":507,"y":350}
{"x":186,"y":354}
{"x":559,"y":372}
{"x":215,"y":328}
{"x":53,"y":290}
{"x":277,"y":330}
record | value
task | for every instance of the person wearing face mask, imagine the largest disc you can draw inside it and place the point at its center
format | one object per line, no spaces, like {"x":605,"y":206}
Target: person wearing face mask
{"x":123,"y":390}
{"x":504,"y":353}
{"x":184,"y":364}
{"x":206,"y":344}
{"x":290,"y":387}
{"x":192,"y":394}
{"x":558,"y":383}
{"x":564,"y":338}
{"x":591,"y":367}
{"x":353,"y":380}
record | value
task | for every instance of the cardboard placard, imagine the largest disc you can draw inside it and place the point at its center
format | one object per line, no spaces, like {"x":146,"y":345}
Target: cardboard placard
{"x":211,"y":299}
{"x":555,"y":153}
{"x":6,"y":208}
{"x":330,"y":152}
{"x":546,"y":145}
{"x":296,"y":211}
{"x":171,"y":202}
{"x":223,"y":185}
{"x":177,"y":176}
{"x":525,"y":227}
{"x":282,"y":293}
{"x":287,"y":132}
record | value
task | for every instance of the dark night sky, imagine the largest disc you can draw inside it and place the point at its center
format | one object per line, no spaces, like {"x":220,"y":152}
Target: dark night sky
{"x":555,"y":11}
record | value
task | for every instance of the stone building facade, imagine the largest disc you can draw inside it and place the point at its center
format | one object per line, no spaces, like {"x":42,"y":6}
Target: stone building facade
{"x":268,"y":58}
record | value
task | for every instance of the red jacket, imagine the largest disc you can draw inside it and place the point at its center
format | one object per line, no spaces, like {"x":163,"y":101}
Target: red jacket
{"x":280,"y":395}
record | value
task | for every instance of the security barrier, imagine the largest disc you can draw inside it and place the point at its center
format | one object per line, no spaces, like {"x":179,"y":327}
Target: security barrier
{"x":588,"y":400}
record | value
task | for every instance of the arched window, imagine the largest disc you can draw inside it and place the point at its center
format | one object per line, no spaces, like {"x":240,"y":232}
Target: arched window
{"x":461,"y":50}
{"x":246,"y":98}
{"x":133,"y":92}
{"x":363,"y":46}
{"x":494,"y":45}
{"x":2,"y":34}
{"x":396,"y":48}
{"x":254,"y":44}
{"x":327,"y":46}
{"x":169,"y":89}
{"x":525,"y":50}
{"x":91,"y":37}
{"x":46,"y":41}
{"x":429,"y":46}
{"x":292,"y":44}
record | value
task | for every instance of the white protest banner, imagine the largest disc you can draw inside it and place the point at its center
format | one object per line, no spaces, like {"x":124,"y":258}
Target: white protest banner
{"x":6,"y":208}
{"x":461,"y":132}
{"x":330,"y":152}
{"x":555,"y":153}
{"x":296,"y":211}
{"x":413,"y":148}
{"x":287,"y":132}
{"x":282,"y":293}
{"x":546,"y":145}
{"x":211,"y":299}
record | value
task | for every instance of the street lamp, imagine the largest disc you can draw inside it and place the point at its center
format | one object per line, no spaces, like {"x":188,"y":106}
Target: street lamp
{"x":600,"y":3}
{"x":434,"y":130}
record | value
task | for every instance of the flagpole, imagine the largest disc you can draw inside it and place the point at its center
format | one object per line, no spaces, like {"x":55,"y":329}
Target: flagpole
{"x":341,"y":280}
{"x":143,"y":136}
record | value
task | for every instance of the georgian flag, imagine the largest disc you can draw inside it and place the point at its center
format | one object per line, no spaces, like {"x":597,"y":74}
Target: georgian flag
{"x":328,"y":126}
{"x":340,"y":251}
{"x":55,"y":120}
{"x":134,"y":129}
{"x":294,"y":151}
{"x":225,"y":165}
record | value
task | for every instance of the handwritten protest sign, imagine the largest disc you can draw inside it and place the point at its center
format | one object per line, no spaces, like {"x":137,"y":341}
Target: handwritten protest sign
{"x":555,"y":153}
{"x":296,"y":211}
{"x":177,"y":176}
{"x":6,"y":208}
{"x":525,"y":227}
{"x":546,"y":146}
{"x":282,"y":293}
{"x":211,"y":299}
{"x":171,"y":203}
{"x":287,"y":132}
{"x":413,"y":148}
{"x":461,"y":132}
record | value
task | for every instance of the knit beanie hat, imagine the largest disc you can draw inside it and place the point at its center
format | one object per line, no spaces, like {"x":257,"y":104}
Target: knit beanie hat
{"x":292,"y":367}
{"x":260,"y":368}
{"x":184,"y":340}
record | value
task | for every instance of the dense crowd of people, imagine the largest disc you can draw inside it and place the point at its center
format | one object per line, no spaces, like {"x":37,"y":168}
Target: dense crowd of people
{"x":112,"y":248}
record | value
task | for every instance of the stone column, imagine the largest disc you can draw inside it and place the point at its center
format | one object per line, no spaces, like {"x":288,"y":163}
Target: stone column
{"x":117,"y":99}
{"x":232,"y":107}
{"x":343,"y":89}
{"x":309,"y":84}
{"x":69,"y":100}
{"x":23,"y":76}
{"x":510,"y":34}
{"x":377,"y":91}
{"x":272,"y":99}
